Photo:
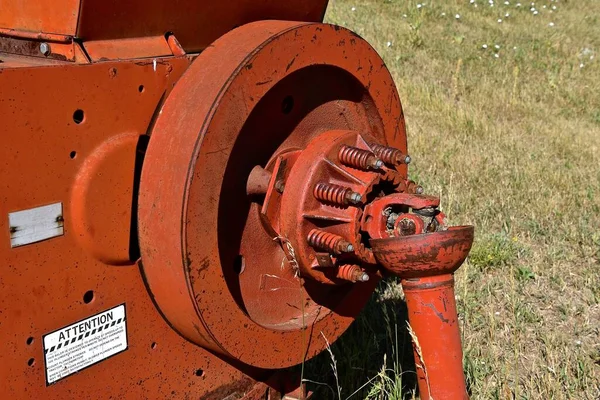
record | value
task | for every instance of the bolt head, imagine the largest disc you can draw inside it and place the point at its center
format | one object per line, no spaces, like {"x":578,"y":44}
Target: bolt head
{"x":363,"y":277}
{"x":419,"y":190}
{"x":355,"y":198}
{"x":407,"y":159}
{"x":45,"y":48}
{"x":378,"y":164}
{"x":349,"y":248}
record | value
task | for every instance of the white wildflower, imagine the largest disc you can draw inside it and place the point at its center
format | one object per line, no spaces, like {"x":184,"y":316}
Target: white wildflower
{"x":554,"y":7}
{"x":535,"y":12}
{"x":389,"y":44}
{"x":506,"y":2}
{"x":581,"y":65}
{"x":551,"y":24}
{"x":419,"y":5}
{"x":506,"y":15}
{"x":497,"y":46}
{"x":518,"y":4}
{"x":578,"y":342}
{"x":484,"y":46}
{"x":457,"y":16}
{"x":443,"y":14}
{"x":496,"y":55}
{"x":353,"y":8}
{"x":497,"y":313}
{"x":499,"y":20}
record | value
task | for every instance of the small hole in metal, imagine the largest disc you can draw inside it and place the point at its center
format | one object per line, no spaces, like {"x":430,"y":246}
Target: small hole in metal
{"x":287,"y":105}
{"x":29,"y":341}
{"x":88,"y":297}
{"x":141,"y":88}
{"x":199,"y":372}
{"x":239,"y":264}
{"x":31,"y":362}
{"x":73,"y":154}
{"x":78,"y":116}
{"x":153,"y":345}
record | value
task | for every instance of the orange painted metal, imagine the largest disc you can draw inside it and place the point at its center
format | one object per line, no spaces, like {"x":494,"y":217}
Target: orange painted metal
{"x":426,"y":264}
{"x":43,"y":284}
{"x":195,"y":23}
{"x":241,"y":203}
{"x":130,"y":48}
{"x":219,"y":277}
{"x":434,"y":321}
{"x":46,"y":16}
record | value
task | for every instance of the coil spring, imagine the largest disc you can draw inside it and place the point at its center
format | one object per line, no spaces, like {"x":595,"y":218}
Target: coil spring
{"x":389,"y":155}
{"x":352,"y":273}
{"x":335,"y":194}
{"x":328,"y":241}
{"x":358,"y":158}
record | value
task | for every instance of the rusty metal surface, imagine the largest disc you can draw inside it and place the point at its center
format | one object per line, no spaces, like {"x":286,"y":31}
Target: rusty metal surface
{"x":122,"y":49}
{"x":434,"y":321}
{"x":217,"y":274}
{"x":426,"y":263}
{"x":70,"y":51}
{"x":48,"y":16}
{"x":272,"y":198}
{"x":43,"y":284}
{"x":426,"y":254}
{"x":195,"y":23}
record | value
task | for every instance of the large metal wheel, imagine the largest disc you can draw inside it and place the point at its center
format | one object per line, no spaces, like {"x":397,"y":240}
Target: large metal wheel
{"x":212,"y":266}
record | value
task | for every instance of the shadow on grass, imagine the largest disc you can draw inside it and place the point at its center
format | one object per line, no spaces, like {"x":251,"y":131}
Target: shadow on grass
{"x":373,"y":357}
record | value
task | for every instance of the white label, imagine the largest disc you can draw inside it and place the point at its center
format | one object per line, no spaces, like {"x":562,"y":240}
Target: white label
{"x":85,"y":343}
{"x":35,"y":224}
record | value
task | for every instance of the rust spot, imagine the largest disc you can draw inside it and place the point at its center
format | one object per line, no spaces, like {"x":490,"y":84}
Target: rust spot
{"x":437,"y":313}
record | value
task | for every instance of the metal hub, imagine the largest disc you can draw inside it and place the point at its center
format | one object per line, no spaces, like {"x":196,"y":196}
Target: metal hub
{"x":225,"y":268}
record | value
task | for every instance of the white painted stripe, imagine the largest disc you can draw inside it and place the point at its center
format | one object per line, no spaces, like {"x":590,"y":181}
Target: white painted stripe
{"x":35,"y":224}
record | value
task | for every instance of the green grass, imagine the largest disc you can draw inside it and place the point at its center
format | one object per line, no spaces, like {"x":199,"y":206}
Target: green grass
{"x":511,"y":144}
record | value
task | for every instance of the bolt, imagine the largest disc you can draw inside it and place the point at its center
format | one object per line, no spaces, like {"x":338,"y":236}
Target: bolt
{"x":419,"y":189}
{"x":363,"y":277}
{"x":352,"y":273}
{"x":355,"y":198}
{"x":359,"y":158}
{"x":45,"y":48}
{"x":329,"y":242}
{"x":336,"y":194}
{"x":390,"y":155}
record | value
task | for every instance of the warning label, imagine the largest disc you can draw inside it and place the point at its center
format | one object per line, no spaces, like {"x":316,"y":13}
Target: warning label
{"x":85,"y":343}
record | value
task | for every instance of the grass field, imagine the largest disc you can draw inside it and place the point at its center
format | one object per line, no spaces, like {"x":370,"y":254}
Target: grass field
{"x":503,"y":112}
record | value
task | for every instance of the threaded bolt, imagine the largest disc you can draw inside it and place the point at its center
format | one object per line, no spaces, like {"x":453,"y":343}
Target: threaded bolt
{"x":352,"y":273}
{"x":359,"y":158}
{"x":390,"y":155}
{"x":336,"y":194}
{"x":329,"y":242}
{"x":419,"y":189}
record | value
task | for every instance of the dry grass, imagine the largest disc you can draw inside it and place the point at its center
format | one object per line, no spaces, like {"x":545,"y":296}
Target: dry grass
{"x":511,"y":144}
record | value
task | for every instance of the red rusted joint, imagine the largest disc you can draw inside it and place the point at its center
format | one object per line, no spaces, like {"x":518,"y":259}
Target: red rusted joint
{"x":426,"y":264}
